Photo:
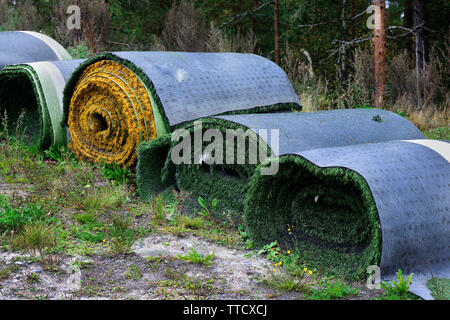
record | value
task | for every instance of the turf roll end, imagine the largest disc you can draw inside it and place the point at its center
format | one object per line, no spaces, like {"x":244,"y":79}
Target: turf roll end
{"x":110,"y":114}
{"x":326,"y":215}
{"x":151,"y":158}
{"x":22,"y":110}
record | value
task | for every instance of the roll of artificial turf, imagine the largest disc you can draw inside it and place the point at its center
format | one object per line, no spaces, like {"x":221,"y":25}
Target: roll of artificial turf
{"x":228,"y":181}
{"x":31,"y":100}
{"x":115,"y":101}
{"x":343,"y":209}
{"x":18,"y":47}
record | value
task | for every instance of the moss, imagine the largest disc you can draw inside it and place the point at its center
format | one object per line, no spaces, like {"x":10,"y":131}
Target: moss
{"x":330,"y":212}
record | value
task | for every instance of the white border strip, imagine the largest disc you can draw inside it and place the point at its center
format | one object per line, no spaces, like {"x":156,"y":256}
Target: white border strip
{"x":441,"y":147}
{"x":59,"y":50}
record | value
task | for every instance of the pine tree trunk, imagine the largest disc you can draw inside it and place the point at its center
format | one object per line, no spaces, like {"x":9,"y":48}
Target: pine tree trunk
{"x":380,"y":52}
{"x":421,"y":41}
{"x":277,"y":32}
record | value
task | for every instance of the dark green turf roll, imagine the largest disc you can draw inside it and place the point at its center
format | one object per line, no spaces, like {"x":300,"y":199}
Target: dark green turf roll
{"x":385,"y":204}
{"x":152,"y":157}
{"x":229,"y":182}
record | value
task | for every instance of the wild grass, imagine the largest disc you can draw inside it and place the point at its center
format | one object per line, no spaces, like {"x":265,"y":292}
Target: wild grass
{"x":39,"y":239}
{"x":422,"y":97}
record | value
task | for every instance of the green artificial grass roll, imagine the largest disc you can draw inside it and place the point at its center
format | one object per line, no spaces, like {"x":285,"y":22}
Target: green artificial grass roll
{"x":31,"y":101}
{"x":18,"y":47}
{"x":343,"y":209}
{"x":228,"y":181}
{"x":327,"y":216}
{"x":152,"y":156}
{"x":115,"y":101}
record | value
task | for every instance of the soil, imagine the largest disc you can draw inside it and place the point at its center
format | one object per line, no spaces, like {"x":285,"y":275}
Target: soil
{"x":151,"y":271}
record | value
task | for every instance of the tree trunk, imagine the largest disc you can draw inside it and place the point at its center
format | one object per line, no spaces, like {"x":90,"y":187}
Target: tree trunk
{"x":277,"y":32}
{"x":255,"y":5}
{"x":408,"y":21}
{"x":380,"y":52}
{"x":342,"y":69}
{"x":77,"y":35}
{"x":421,"y":49}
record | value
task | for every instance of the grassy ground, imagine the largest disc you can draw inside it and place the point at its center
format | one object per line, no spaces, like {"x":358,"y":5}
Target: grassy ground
{"x":57,"y":213}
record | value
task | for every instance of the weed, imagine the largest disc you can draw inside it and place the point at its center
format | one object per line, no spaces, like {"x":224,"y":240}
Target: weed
{"x":282,"y":280}
{"x":79,"y":52}
{"x":195,"y":257}
{"x":60,"y":155}
{"x":440,"y":133}
{"x":114,"y":172}
{"x":14,"y":219}
{"x":205,"y":212}
{"x":86,"y":218}
{"x":133,"y":273}
{"x":179,"y":230}
{"x":122,"y":233}
{"x":5,"y":273}
{"x":33,"y":277}
{"x":158,"y":209}
{"x":332,"y":290}
{"x":40,"y":239}
{"x":92,"y":199}
{"x":398,"y":287}
{"x":189,"y":222}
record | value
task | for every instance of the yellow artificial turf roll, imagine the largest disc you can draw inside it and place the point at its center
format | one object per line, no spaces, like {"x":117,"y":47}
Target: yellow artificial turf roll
{"x":110,"y":114}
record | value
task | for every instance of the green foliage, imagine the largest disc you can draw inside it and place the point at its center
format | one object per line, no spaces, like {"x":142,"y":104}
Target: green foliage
{"x":206,"y":212}
{"x":195,"y":257}
{"x":133,"y":273}
{"x":302,"y":214}
{"x":59,"y":155}
{"x":40,"y":239}
{"x":122,"y":233}
{"x":79,"y":52}
{"x":332,"y":290}
{"x":115,"y":172}
{"x":5,"y":273}
{"x":94,"y":199}
{"x":441,"y":133}
{"x":158,"y":209}
{"x":398,"y":287}
{"x":15,"y":218}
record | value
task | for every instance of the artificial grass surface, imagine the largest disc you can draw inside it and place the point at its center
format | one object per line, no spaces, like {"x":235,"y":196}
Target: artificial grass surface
{"x":34,"y":90}
{"x":110,"y":114}
{"x":228,"y":181}
{"x":21,"y":108}
{"x":443,"y":288}
{"x":151,"y":158}
{"x":326,"y":215}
